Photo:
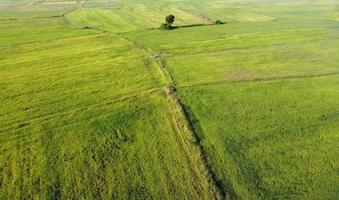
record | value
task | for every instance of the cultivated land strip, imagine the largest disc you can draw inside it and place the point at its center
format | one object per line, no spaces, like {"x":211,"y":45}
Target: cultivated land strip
{"x":222,"y":81}
{"x":49,"y":40}
{"x":5,"y":9}
{"x":45,"y":117}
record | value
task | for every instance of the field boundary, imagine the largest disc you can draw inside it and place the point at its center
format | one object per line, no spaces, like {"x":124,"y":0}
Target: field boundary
{"x":174,"y":97}
{"x":185,"y":111}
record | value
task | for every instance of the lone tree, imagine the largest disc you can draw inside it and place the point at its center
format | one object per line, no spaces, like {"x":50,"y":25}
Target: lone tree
{"x":169,"y":21}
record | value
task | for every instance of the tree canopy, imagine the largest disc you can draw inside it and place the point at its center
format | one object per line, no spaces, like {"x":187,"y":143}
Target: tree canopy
{"x":170,"y":19}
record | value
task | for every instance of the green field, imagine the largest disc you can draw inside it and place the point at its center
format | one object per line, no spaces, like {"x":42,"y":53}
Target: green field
{"x":96,"y":102}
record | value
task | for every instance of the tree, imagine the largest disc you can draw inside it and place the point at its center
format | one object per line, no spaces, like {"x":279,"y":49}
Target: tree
{"x":169,"y":21}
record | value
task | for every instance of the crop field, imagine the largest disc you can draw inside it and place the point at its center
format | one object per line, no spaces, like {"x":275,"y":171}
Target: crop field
{"x":121,"y":141}
{"x":97,"y":102}
{"x":271,"y":139}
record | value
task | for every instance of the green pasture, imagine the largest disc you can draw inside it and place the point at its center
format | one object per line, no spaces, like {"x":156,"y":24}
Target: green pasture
{"x":87,"y":67}
{"x":254,"y":92}
{"x":114,"y":150}
{"x":96,"y":102}
{"x":26,"y":9}
{"x":84,"y":114}
{"x":271,"y":139}
{"x":35,"y":31}
{"x":269,"y":50}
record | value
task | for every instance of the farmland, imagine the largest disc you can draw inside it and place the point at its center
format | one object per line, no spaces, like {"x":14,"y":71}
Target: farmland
{"x":115,"y":143}
{"x":96,"y":102}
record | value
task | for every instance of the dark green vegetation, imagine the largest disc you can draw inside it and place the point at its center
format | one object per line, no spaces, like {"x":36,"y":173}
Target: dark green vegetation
{"x":96,"y":102}
{"x":168,"y":24}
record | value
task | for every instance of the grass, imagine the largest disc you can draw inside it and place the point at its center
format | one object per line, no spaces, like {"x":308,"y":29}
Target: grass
{"x":95,"y":62}
{"x":275,"y":61}
{"x":140,"y":17}
{"x":235,"y":36}
{"x":37,"y":30}
{"x":84,"y":115}
{"x":104,"y":19}
{"x":96,"y":102}
{"x":233,"y":52}
{"x":270,"y":139}
{"x":124,"y":150}
{"x":35,"y":9}
{"x":255,"y":93}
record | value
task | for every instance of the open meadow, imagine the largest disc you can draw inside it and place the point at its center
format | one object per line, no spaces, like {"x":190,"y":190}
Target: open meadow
{"x":97,"y":102}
